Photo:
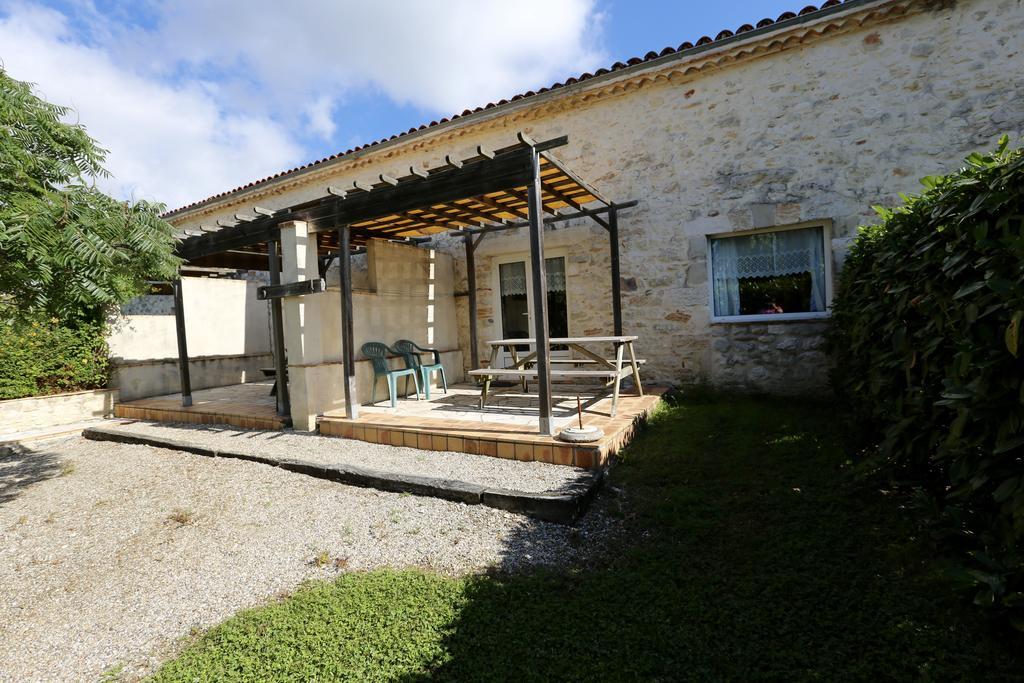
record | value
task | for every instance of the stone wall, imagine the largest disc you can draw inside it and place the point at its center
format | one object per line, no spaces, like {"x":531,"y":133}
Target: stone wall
{"x":585,"y":247}
{"x":748,"y":356}
{"x":818,"y":121}
{"x":39,"y":412}
{"x":821,"y":131}
{"x":149,"y":304}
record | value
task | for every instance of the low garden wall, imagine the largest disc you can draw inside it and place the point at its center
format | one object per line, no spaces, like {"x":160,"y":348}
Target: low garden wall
{"x":36,"y":412}
{"x":159,"y":376}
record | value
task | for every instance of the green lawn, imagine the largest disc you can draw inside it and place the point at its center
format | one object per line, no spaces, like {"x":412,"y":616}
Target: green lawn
{"x":763,"y":560}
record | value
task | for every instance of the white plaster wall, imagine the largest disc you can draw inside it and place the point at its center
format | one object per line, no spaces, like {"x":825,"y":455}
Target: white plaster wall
{"x":227,"y":331}
{"x":222,"y":317}
{"x":406,"y":293}
{"x":813,"y":128}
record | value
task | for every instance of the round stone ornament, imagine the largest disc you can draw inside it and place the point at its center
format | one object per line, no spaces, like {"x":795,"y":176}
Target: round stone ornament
{"x":580,"y":435}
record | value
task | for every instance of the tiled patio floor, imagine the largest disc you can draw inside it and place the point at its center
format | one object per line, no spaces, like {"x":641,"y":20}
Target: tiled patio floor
{"x":506,"y":428}
{"x":249,"y":406}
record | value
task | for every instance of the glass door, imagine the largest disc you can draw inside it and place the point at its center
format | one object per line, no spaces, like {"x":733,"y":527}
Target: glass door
{"x":515,"y":303}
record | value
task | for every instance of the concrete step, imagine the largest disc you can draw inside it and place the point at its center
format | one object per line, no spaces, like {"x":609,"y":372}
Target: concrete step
{"x":564,"y":506}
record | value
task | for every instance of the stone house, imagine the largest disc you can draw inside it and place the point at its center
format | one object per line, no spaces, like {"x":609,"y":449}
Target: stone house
{"x":754,"y":156}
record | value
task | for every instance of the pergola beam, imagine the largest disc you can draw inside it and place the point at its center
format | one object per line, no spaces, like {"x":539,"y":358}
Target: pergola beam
{"x":576,"y":179}
{"x":539,"y":282}
{"x":465,"y":210}
{"x":588,"y":213}
{"x":499,"y":206}
{"x":347,"y":338}
{"x":431,"y":222}
{"x":548,"y":187}
{"x":613,"y":244}
{"x":184,"y":375}
{"x":474,"y":344}
{"x":277,"y":333}
{"x":260,"y":230}
{"x":524,"y":196}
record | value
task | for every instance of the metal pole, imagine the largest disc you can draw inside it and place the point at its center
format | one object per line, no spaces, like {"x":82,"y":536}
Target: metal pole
{"x":179,"y":324}
{"x":474,"y":350}
{"x":613,"y":239}
{"x":347,"y":352}
{"x":540,"y":298}
{"x":277,"y":330}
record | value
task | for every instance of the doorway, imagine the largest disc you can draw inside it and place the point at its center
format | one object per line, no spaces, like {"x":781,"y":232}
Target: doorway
{"x":515,"y":302}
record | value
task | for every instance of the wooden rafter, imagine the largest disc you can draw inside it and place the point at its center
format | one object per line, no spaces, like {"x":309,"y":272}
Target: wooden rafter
{"x":486,"y":189}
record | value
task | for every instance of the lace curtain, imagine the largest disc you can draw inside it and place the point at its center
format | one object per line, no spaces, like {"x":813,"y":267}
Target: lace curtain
{"x":513,"y":276}
{"x":766,"y":255}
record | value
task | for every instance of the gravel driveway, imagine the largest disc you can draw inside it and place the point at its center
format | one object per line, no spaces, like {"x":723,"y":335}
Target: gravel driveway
{"x":112,"y":553}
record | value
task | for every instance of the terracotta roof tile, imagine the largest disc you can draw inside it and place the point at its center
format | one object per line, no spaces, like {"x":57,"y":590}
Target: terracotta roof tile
{"x":617,"y":66}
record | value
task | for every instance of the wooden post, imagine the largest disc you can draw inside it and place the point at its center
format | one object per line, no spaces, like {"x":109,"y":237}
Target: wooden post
{"x":179,"y":324}
{"x":347,"y":352}
{"x":540,"y":298}
{"x":613,"y":243}
{"x":277,"y":331}
{"x":474,"y":351}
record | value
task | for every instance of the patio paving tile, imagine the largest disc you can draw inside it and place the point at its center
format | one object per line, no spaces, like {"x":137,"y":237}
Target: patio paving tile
{"x":506,"y":428}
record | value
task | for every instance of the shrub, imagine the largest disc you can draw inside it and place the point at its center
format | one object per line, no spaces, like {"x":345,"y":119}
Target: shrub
{"x":926,"y":341}
{"x":45,"y":357}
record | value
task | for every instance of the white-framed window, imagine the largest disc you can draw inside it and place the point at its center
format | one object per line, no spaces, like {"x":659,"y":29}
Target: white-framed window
{"x":773,"y":274}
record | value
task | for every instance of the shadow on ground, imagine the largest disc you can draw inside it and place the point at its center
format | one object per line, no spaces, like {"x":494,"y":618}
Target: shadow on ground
{"x":746,"y":551}
{"x":750,"y":554}
{"x":21,"y":467}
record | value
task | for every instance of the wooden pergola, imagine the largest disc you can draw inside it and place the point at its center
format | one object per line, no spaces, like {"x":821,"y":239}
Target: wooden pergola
{"x":491,"y":191}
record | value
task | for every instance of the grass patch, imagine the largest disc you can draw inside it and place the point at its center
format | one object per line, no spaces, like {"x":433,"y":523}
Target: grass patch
{"x":377,"y":626}
{"x":113,"y":674}
{"x":754,"y":556}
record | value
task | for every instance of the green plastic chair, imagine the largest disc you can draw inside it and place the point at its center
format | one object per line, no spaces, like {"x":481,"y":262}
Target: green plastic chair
{"x":378,"y":355}
{"x":413,"y":350}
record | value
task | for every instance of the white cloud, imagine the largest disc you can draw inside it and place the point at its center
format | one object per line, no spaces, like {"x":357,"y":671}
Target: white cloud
{"x":212,"y":95}
{"x":319,"y":114}
{"x":443,"y":56}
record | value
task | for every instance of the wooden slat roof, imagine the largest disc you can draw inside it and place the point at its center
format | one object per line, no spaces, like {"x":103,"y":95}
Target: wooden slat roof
{"x":487,"y":189}
{"x":559,"y":191}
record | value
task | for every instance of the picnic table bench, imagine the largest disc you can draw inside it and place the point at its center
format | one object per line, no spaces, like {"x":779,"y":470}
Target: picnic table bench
{"x":610,"y":370}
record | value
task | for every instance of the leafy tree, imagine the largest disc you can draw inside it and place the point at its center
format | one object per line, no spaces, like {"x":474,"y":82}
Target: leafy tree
{"x":68,"y":250}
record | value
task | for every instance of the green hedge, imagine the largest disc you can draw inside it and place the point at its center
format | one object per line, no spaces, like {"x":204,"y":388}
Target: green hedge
{"x":927,"y":347}
{"x":44,"y":357}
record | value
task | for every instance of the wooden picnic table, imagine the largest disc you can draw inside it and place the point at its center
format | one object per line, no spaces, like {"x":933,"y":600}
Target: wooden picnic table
{"x":610,"y":370}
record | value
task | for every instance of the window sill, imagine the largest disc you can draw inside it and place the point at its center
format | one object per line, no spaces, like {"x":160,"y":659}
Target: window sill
{"x":770,"y":318}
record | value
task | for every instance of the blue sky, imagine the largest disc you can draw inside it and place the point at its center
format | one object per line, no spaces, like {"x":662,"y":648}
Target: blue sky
{"x":194,"y":97}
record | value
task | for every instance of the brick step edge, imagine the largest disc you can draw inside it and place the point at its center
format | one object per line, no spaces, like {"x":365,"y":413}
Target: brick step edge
{"x":563,"y":507}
